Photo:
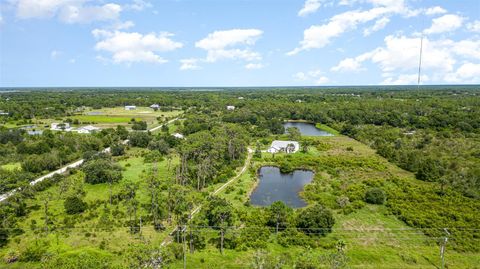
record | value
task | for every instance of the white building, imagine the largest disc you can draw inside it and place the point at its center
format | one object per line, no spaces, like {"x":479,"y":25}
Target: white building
{"x":87,"y":129}
{"x":178,"y":135}
{"x":284,"y":146}
{"x":130,"y":107}
{"x":155,"y":106}
{"x":240,"y":98}
{"x":230,"y":107}
{"x":60,"y":126}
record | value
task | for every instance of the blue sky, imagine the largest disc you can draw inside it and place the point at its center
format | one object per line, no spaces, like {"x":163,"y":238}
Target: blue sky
{"x":237,"y":42}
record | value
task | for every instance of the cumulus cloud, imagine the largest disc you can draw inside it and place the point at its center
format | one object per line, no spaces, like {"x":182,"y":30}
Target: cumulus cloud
{"x":309,"y":7}
{"x":316,"y":77}
{"x":254,"y":66}
{"x":224,"y":45}
{"x":131,"y":47}
{"x":318,"y":36}
{"x":68,"y":11}
{"x":445,"y":23}
{"x":190,"y":64}
{"x":404,"y":79}
{"x":379,"y":25}
{"x":474,"y":26}
{"x":400,"y":55}
{"x":466,"y":73}
{"x":54,"y":54}
{"x":435,"y":10}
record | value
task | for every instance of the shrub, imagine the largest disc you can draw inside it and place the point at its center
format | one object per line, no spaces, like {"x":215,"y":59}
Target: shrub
{"x":74,"y":205}
{"x":375,"y":196}
{"x":316,"y":220}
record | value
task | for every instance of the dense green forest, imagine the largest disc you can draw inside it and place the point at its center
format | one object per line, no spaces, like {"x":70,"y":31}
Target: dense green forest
{"x":401,"y":164}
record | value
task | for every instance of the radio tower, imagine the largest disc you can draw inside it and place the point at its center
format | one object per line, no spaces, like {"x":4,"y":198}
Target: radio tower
{"x":420,"y":62}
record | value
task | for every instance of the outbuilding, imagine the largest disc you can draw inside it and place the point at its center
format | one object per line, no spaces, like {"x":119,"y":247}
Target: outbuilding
{"x":284,"y":146}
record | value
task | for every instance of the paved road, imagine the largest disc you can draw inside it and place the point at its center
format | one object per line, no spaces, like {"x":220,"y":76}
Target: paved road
{"x":69,"y":166}
{"x":197,"y":209}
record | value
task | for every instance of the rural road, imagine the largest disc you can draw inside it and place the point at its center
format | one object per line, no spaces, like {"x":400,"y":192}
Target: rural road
{"x":197,"y":209}
{"x":72,"y":165}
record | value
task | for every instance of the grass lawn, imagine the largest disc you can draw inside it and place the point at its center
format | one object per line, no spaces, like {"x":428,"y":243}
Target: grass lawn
{"x":12,"y":166}
{"x":327,"y":128}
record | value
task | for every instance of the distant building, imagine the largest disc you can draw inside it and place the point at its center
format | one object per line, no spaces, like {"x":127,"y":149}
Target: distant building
{"x":240,"y":98}
{"x":155,"y":106}
{"x":230,"y":107}
{"x":299,"y":101}
{"x":87,"y":129}
{"x":33,"y":132}
{"x":178,"y":135}
{"x":60,"y":127}
{"x":3,"y":113}
{"x":284,"y":146}
{"x":130,"y":107}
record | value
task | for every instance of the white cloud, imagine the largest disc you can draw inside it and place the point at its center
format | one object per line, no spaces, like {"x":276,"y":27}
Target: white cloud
{"x":138,"y":5}
{"x":400,"y":55}
{"x":68,"y":11}
{"x":254,"y":66}
{"x":446,"y":23}
{"x":405,"y":79}
{"x":435,"y":10}
{"x":316,"y":77}
{"x":318,"y":36}
{"x":190,"y":64}
{"x":85,"y":14}
{"x":351,"y":64}
{"x":130,"y":47}
{"x":72,"y":61}
{"x":474,"y":26}
{"x":224,"y":45}
{"x":466,"y":73}
{"x":379,"y":25}
{"x":54,"y":54}
{"x":309,"y":7}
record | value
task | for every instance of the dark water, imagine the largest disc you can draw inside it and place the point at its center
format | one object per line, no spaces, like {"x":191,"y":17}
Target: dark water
{"x":275,"y":186}
{"x":307,"y":129}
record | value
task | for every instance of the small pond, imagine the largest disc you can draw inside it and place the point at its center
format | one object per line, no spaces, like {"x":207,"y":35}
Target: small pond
{"x":274,"y":186}
{"x":306,"y":128}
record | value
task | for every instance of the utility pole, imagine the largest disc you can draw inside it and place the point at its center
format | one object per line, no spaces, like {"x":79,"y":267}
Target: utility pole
{"x":184,"y":247}
{"x":442,"y":248}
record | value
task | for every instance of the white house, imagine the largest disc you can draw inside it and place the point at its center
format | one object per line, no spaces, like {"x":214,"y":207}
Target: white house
{"x":240,"y":98}
{"x":87,"y":129}
{"x":155,"y":106}
{"x":178,"y":135}
{"x":60,"y":126}
{"x":284,"y":146}
{"x":35,"y":132}
{"x":130,"y":107}
{"x":230,"y":107}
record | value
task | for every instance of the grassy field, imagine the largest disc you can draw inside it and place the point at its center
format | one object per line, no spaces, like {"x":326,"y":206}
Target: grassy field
{"x":110,"y":117}
{"x":374,"y":237}
{"x":11,"y":166}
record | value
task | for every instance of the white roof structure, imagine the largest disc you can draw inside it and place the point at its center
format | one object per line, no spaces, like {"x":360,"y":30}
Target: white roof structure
{"x":178,"y":135}
{"x":230,"y":107}
{"x":87,"y":129}
{"x":130,"y":107}
{"x":155,"y":106}
{"x":283,"y":146}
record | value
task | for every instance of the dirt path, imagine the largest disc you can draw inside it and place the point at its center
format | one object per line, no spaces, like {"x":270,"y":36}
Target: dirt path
{"x":197,"y":209}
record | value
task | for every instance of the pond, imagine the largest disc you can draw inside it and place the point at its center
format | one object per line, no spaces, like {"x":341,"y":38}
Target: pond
{"x":274,"y":186}
{"x":307,"y":129}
